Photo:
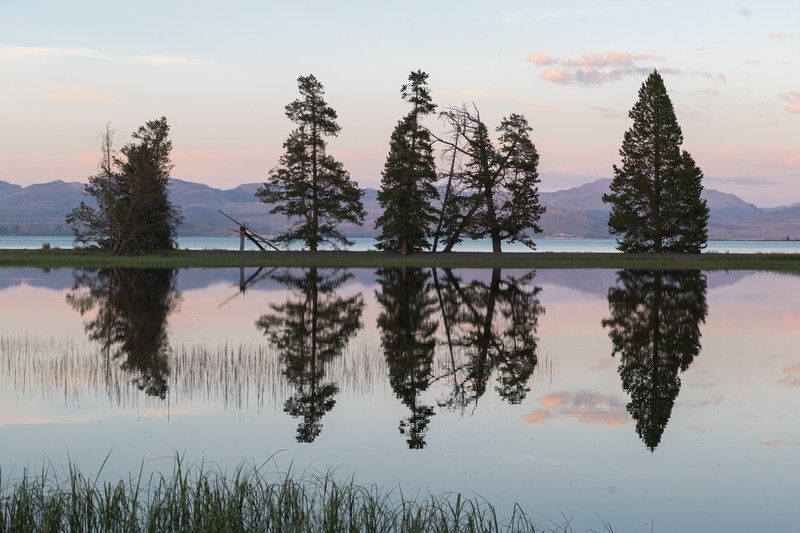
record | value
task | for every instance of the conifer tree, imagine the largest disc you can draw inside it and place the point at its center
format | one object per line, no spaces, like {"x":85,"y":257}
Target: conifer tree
{"x":496,"y":195}
{"x":655,"y":197}
{"x":408,"y":186}
{"x":309,"y":186}
{"x":134,"y":213}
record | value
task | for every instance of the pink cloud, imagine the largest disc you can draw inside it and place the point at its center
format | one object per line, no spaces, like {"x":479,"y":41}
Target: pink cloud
{"x":791,"y":376}
{"x":782,"y":35}
{"x":794,"y":102}
{"x":793,"y":108}
{"x":558,"y":75}
{"x":792,"y":162}
{"x":599,"y":68}
{"x":607,"y":59}
{"x":540,"y":59}
{"x":585,"y":407}
{"x":537,"y":416}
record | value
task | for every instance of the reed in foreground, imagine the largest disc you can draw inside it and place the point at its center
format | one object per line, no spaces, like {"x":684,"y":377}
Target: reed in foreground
{"x":248,"y":499}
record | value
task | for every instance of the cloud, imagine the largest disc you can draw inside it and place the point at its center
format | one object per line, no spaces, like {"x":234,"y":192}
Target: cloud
{"x":782,"y":35}
{"x":15,"y":54}
{"x":607,"y":59}
{"x":791,"y":376}
{"x":540,"y":59}
{"x":794,"y":102}
{"x":779,"y":443}
{"x":606,"y":112}
{"x":597,"y":68}
{"x":792,"y":162}
{"x":558,"y":75}
{"x":586,"y":407}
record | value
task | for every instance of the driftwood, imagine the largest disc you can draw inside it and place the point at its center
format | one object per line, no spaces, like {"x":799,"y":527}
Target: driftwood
{"x":247,"y":233}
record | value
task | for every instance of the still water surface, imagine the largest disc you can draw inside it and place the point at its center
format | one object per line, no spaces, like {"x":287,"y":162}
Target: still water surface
{"x":644,"y":398}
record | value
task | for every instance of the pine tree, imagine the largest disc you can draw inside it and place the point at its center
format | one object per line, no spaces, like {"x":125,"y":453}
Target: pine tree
{"x":496,"y":194}
{"x":309,"y":186}
{"x":134,"y":213}
{"x":408,"y":186}
{"x":655,"y":329}
{"x":408,"y":328}
{"x":656,"y":203}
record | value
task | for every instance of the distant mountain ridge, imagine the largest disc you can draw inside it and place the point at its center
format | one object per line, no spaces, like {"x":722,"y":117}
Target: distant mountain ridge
{"x":577,"y":212}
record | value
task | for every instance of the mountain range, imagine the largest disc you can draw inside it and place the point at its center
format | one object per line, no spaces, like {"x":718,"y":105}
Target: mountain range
{"x":578,"y":212}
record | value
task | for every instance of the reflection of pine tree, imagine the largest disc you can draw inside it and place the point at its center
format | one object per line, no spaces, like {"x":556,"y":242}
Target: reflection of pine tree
{"x":407,"y":333}
{"x":655,"y":328}
{"x":311,"y":330}
{"x":495,"y":324}
{"x":131,"y":320}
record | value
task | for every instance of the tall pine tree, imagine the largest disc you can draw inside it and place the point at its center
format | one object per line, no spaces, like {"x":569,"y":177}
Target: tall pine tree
{"x":656,"y":203}
{"x":408,"y":186}
{"x":309,"y":186}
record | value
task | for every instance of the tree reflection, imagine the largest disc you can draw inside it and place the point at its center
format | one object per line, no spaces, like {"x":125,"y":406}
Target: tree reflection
{"x":130,"y":322}
{"x":655,"y":328}
{"x":408,"y":329}
{"x":494,"y":325}
{"x":310,"y":330}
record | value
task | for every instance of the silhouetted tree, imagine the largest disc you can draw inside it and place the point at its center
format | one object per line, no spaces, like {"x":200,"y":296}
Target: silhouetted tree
{"x":494,"y":325}
{"x":655,"y":329}
{"x":408,"y":329}
{"x":310,"y":330}
{"x":497,"y":193}
{"x":408,"y":186}
{"x":655,"y":197}
{"x":133,"y":213}
{"x":309,"y":186}
{"x":131,"y":307}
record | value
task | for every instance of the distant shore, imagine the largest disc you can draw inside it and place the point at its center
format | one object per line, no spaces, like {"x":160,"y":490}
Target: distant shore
{"x":54,"y":258}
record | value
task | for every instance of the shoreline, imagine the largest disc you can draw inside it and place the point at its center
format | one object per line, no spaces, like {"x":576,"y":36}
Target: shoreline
{"x":55,"y":258}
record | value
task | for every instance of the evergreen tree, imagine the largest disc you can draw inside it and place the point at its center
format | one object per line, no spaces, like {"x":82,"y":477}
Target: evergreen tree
{"x":655,"y":329}
{"x":129,"y":309}
{"x":134,"y":213}
{"x":408,"y":186}
{"x":310,"y":330}
{"x":408,"y":329}
{"x":497,"y":193}
{"x":656,"y":203}
{"x":309,"y":186}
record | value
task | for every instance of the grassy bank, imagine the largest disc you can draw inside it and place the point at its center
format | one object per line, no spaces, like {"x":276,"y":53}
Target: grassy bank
{"x":246,"y":500}
{"x":222,"y":258}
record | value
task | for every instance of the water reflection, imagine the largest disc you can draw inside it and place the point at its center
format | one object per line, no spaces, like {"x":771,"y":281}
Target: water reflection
{"x":655,"y":329}
{"x":131,"y":308}
{"x":495,"y":325}
{"x":311,"y":329}
{"x":408,"y":327}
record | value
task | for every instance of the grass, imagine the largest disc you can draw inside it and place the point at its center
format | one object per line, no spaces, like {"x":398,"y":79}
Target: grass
{"x":53,"y":258}
{"x":248,"y":499}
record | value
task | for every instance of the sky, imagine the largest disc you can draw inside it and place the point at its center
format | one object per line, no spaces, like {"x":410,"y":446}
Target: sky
{"x":222,"y":72}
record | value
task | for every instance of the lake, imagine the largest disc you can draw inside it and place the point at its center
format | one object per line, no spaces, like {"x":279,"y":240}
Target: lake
{"x":479,"y":245}
{"x":648,"y":399}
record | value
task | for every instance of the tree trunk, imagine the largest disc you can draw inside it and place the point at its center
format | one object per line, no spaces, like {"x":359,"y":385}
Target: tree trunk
{"x":314,"y":207}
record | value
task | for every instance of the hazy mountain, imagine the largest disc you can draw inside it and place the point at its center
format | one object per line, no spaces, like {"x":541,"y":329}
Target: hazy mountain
{"x":575,"y":212}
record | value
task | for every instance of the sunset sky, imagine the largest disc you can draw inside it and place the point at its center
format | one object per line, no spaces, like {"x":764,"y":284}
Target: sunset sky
{"x":222,"y":72}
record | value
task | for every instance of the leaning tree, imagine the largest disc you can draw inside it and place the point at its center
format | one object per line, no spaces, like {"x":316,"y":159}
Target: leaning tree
{"x":493,"y":190}
{"x":655,"y":197}
{"x":309,"y":187}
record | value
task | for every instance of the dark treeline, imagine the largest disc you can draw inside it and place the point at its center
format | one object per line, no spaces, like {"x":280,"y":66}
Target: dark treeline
{"x":485,"y":185}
